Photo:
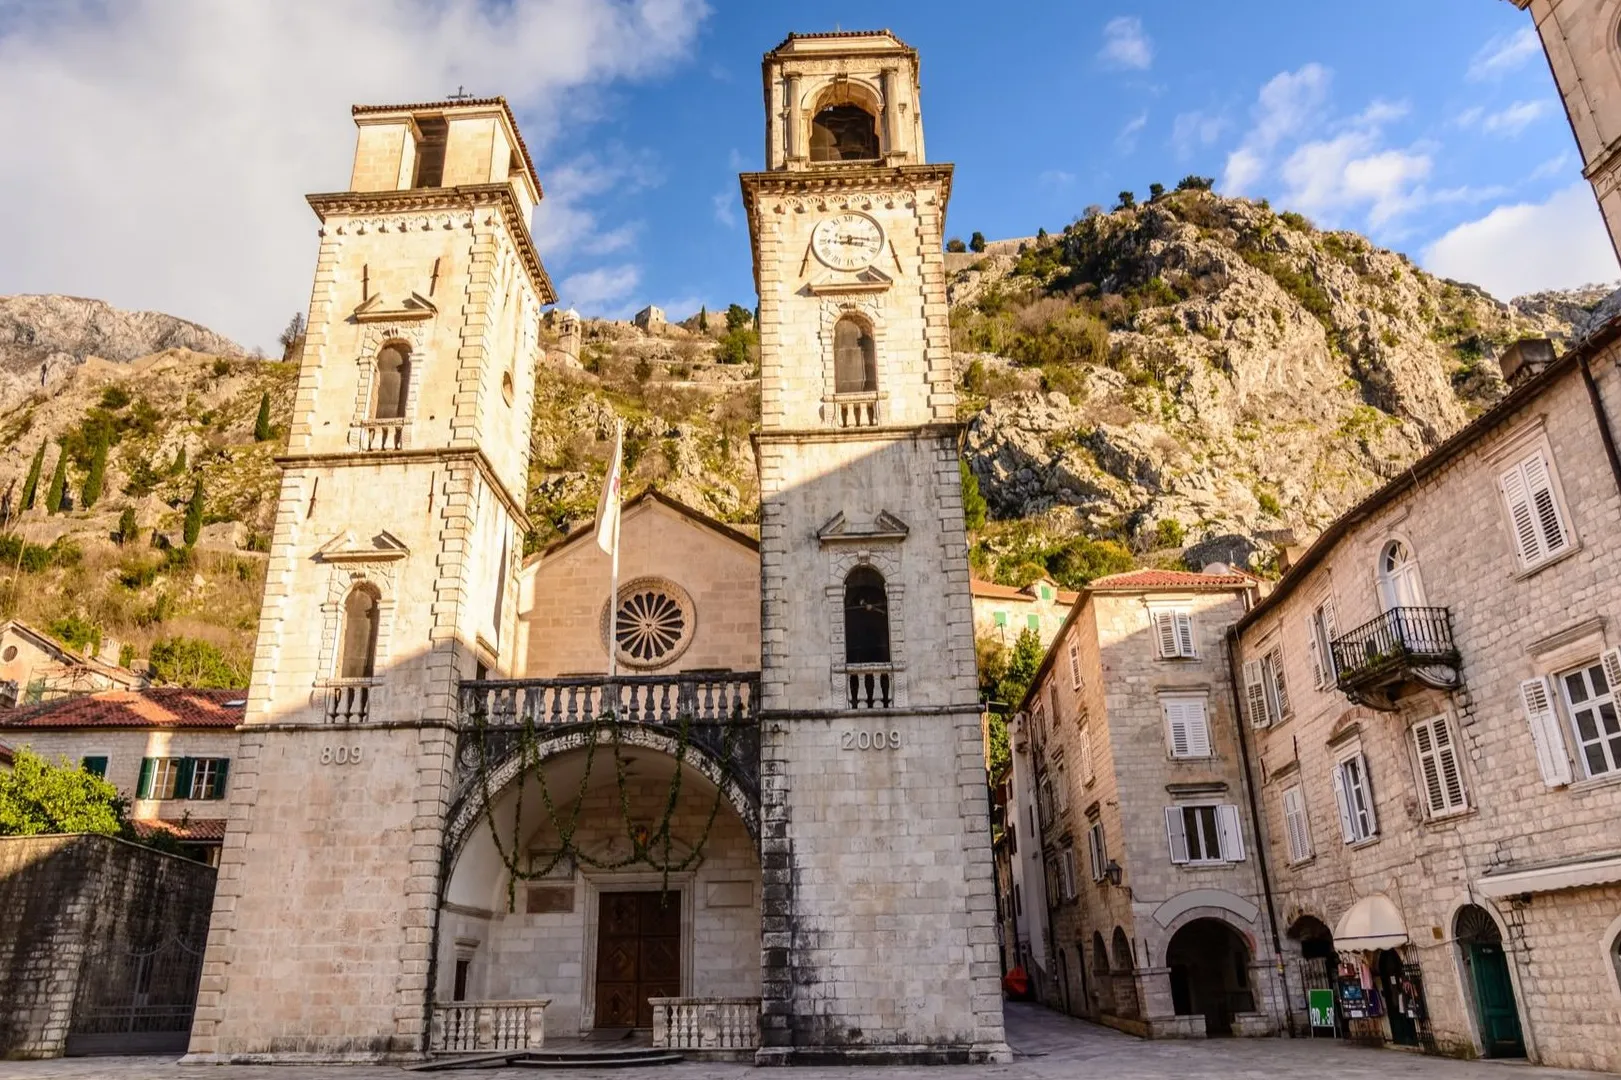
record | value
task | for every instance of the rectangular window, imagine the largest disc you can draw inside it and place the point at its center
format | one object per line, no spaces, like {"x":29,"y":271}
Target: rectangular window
{"x":95,"y":765}
{"x":1321,"y":631}
{"x":1590,"y":702}
{"x":1087,"y":772}
{"x":1538,"y":523}
{"x":1204,"y":833}
{"x":1067,"y":865}
{"x":998,"y":618}
{"x":1038,"y":720}
{"x":1061,"y":790}
{"x":1046,"y":800}
{"x":208,"y":778}
{"x":1295,"y":824}
{"x":1044,"y":591}
{"x":164,"y":778}
{"x":1096,"y":851}
{"x":1074,"y":665}
{"x":1439,"y":772}
{"x":1033,"y":622}
{"x":1052,"y":700}
{"x":1187,"y":727}
{"x":1173,"y":635}
{"x":1354,"y":795}
{"x":1266,"y":694}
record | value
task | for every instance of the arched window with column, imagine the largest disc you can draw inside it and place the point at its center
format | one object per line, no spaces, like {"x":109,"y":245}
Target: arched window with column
{"x":844,"y":132}
{"x":855,"y":357}
{"x":357,"y":655}
{"x":391,"y":382}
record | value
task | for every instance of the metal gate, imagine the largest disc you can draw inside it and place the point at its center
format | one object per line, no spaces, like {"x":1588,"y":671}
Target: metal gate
{"x":137,"y":1001}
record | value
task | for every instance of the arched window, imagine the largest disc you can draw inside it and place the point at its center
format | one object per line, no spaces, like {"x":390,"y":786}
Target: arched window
{"x":855,"y":362}
{"x":866,"y":617}
{"x":844,"y":133}
{"x":1399,"y":583}
{"x":392,"y":382}
{"x":358,"y":659}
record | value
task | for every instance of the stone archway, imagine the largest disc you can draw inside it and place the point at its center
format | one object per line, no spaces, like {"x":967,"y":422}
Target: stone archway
{"x":1487,"y":982}
{"x":1209,"y":963}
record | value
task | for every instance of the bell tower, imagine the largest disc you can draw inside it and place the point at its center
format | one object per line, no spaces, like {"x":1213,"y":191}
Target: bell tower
{"x":392,"y":575}
{"x":878,"y":928}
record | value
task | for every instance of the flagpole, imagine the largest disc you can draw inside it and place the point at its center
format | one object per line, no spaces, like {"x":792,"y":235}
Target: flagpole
{"x":613,"y":576}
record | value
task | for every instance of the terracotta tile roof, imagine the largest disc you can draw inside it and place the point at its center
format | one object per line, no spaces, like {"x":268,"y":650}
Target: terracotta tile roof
{"x":7,"y":755}
{"x":198,"y":830}
{"x":1170,"y":579}
{"x":154,"y":707}
{"x":990,"y":589}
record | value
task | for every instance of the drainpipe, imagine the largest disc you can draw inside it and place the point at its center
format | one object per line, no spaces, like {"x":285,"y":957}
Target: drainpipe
{"x":1255,"y":816}
{"x":1606,"y":436}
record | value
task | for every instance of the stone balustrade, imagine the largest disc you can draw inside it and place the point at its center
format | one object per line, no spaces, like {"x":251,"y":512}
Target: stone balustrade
{"x":380,"y":434}
{"x":706,"y":1023}
{"x":487,"y":1027}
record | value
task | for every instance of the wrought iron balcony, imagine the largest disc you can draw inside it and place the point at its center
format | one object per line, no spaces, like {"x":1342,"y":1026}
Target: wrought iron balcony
{"x":1401,"y":644}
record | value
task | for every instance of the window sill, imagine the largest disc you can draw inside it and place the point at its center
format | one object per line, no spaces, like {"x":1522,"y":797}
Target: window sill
{"x":1298,"y":863}
{"x":1532,"y":571}
{"x":1358,"y":845}
{"x":1209,"y":864}
{"x":1208,"y":759}
{"x":1594,"y":783}
{"x":1442,"y":821}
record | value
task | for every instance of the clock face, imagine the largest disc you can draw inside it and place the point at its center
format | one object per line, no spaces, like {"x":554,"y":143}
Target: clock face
{"x":847,"y":241}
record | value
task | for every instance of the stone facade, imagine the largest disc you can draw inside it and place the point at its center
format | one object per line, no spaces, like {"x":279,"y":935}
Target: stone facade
{"x":1003,"y":612}
{"x":878,"y":931}
{"x":34,"y":668}
{"x":1155,"y":905}
{"x":1582,"y":39}
{"x":1474,"y":849}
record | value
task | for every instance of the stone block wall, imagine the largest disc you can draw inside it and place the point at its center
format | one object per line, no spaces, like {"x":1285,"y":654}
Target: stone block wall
{"x":73,"y":911}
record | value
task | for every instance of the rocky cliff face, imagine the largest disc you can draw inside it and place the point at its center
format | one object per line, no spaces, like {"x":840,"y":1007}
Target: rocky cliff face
{"x":1203,"y":372}
{"x":42,"y":338}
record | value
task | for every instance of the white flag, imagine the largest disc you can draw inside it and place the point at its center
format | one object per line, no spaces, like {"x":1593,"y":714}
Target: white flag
{"x":608,"y":507}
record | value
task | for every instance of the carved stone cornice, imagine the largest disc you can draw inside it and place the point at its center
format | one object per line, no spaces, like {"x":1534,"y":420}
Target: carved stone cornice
{"x":438,"y":200}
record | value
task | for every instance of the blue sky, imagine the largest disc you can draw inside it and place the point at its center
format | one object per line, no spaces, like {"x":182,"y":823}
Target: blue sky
{"x":1404,"y":128}
{"x":166,"y":145}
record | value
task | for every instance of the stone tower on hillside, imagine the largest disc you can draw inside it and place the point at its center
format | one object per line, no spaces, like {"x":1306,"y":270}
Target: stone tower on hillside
{"x":391,"y":577}
{"x":878,"y":922}
{"x":1583,"y":41}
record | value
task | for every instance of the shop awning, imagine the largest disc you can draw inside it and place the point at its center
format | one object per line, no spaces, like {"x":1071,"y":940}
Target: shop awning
{"x":1373,"y":922}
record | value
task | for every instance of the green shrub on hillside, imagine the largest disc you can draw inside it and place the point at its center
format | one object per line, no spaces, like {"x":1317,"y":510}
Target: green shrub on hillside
{"x":182,"y":661}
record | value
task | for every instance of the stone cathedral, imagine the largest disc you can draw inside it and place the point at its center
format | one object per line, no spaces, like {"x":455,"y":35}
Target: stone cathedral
{"x":766,"y":838}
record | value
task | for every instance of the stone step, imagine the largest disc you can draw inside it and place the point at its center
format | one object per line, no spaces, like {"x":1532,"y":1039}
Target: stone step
{"x":617,"y":1058}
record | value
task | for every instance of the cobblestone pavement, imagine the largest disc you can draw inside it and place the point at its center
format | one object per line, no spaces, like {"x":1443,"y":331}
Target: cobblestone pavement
{"x":1047,"y":1046}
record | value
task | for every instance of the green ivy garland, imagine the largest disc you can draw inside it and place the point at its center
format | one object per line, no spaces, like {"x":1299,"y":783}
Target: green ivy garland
{"x":642,"y":847}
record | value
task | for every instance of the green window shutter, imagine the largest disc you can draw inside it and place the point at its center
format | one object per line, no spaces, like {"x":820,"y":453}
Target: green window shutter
{"x":999,"y":618}
{"x":95,"y":765}
{"x":1046,"y":593}
{"x":143,"y":786}
{"x":182,"y":782}
{"x":224,"y":767}
{"x":1033,"y":621}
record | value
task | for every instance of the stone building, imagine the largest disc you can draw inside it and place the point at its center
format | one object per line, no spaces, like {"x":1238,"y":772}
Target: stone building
{"x":1155,"y":907}
{"x":1002,"y":612}
{"x":1431,"y":696}
{"x":766,"y":834}
{"x":167,"y":750}
{"x":649,"y":320}
{"x":35,"y":667}
{"x":1582,"y":39}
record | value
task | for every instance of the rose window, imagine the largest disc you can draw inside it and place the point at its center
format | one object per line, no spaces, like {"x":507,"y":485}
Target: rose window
{"x":654,"y":624}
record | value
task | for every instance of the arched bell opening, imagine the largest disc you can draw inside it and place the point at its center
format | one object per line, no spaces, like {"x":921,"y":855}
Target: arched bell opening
{"x":563,"y":886}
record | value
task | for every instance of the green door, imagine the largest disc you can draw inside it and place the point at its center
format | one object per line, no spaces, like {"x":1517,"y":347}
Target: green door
{"x":1494,"y":997}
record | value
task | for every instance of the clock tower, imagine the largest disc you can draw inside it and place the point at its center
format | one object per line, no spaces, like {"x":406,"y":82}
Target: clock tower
{"x":878,"y":931}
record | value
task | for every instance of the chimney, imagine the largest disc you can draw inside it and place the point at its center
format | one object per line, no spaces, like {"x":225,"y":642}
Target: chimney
{"x":1525,"y":358}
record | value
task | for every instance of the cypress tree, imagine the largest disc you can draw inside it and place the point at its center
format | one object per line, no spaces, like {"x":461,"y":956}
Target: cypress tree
{"x":261,"y":426}
{"x":703,"y":319}
{"x":178,"y":466}
{"x":59,"y":484}
{"x":31,"y":485}
{"x":194,"y":513}
{"x":128,"y":528}
{"x":98,"y":473}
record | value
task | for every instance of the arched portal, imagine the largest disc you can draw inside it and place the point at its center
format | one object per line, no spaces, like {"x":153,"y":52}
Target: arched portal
{"x":1485,"y":963}
{"x":1315,"y":942}
{"x":1125,"y":978}
{"x":607,"y":908}
{"x":1210,"y":975}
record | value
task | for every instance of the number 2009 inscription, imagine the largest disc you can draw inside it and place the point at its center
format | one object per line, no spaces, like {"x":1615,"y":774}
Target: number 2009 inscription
{"x":870,"y":740}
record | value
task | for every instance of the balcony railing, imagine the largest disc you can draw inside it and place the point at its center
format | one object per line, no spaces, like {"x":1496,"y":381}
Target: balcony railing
{"x":855,"y":409}
{"x":348,"y":701}
{"x":483,"y":1027}
{"x":693,"y":697}
{"x":380,"y":434}
{"x":706,"y":1023}
{"x":1396,"y":644}
{"x":870,"y":686}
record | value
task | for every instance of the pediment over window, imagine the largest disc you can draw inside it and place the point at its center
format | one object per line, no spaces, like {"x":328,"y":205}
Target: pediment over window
{"x":884,"y":526}
{"x":869,"y":280}
{"x":347,"y":547}
{"x":414,"y":306}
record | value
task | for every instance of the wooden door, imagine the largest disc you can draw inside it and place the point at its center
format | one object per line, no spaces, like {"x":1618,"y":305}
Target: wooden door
{"x":638,"y":955}
{"x":1494,"y":994}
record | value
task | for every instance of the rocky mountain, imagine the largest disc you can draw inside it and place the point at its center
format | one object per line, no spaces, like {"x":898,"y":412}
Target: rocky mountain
{"x":42,"y":338}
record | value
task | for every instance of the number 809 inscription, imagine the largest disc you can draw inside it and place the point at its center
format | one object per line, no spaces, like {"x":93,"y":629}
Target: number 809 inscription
{"x":870,"y":740}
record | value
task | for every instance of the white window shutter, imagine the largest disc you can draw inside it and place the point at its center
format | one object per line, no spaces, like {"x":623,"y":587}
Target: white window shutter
{"x":1176,"y":833}
{"x":1230,"y":833}
{"x":1184,"y":635}
{"x":1342,"y":799}
{"x":1536,"y":696}
{"x":1367,"y":794}
{"x":1539,"y":491}
{"x":1446,"y":759}
{"x":1294,"y":823}
{"x":1198,"y":727}
{"x":1611,"y":662}
{"x":1074,"y":666}
{"x":1255,"y":694}
{"x":1087,"y":774}
{"x":1284,"y":709}
{"x":1330,"y":632}
{"x":1527,"y":541}
{"x":1317,"y":665}
{"x":1165,"y":632}
{"x":1429,"y":767}
{"x":1176,"y":726}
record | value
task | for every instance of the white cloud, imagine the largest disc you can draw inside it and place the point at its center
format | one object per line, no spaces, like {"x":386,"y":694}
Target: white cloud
{"x":1515,"y":118}
{"x":1331,"y":177}
{"x":725,"y":204}
{"x":1290,"y":102}
{"x":1503,"y":54}
{"x":1126,"y":141}
{"x":593,"y":290}
{"x":1556,"y":244}
{"x":564,"y":224}
{"x":1055,"y":178}
{"x":1193,"y":131}
{"x":1125,"y":44}
{"x":1553,"y":167}
{"x":167,"y":143}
